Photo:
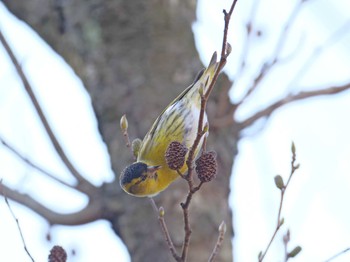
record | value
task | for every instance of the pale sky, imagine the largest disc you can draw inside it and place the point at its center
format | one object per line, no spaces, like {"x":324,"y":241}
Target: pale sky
{"x":316,"y":205}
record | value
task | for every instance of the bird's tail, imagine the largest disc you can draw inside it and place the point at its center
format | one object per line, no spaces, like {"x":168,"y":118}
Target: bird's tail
{"x":205,"y":77}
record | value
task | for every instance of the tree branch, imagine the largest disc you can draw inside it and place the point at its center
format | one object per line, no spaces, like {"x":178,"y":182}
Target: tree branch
{"x":31,"y":164}
{"x":331,"y":40}
{"x":90,"y":213}
{"x":282,"y":187}
{"x":274,"y":59}
{"x":291,"y":98}
{"x":83,"y":184}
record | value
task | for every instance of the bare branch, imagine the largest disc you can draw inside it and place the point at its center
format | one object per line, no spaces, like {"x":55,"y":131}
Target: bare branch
{"x":247,"y":41}
{"x":33,"y":165}
{"x":332,"y":39}
{"x":291,"y":98}
{"x":18,"y":225}
{"x":90,"y":213}
{"x":268,"y":65}
{"x":200,"y":132}
{"x":221,"y":237}
{"x":160,"y":212}
{"x":283,"y":187}
{"x":83,"y":184}
{"x":338,"y":254}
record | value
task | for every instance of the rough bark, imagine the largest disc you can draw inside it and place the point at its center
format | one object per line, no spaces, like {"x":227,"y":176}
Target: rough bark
{"x":134,"y":57}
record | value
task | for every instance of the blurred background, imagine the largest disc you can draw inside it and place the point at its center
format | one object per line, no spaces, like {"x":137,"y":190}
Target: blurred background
{"x":89,"y":63}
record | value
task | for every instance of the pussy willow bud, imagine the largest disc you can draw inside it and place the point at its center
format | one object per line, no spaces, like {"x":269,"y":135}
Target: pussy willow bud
{"x":206,"y":128}
{"x":161,"y":212}
{"x":206,"y":166}
{"x":135,"y":146}
{"x":201,"y":90}
{"x":222,"y":227}
{"x":57,"y":254}
{"x":279,"y":182}
{"x":124,"y":123}
{"x":281,"y":221}
{"x":294,"y":252}
{"x":228,"y":49}
{"x":293,"y":148}
{"x":175,"y":155}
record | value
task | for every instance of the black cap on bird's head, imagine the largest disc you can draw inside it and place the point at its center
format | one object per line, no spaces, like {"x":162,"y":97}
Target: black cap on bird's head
{"x":135,"y":174}
{"x":133,"y":171}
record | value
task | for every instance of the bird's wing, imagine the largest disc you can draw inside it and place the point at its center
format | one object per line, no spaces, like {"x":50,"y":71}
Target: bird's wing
{"x":178,"y":98}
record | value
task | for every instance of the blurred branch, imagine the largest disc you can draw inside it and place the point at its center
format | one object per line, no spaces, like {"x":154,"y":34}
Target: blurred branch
{"x":83,"y":185}
{"x":31,"y":164}
{"x":228,"y":119}
{"x":18,"y":225}
{"x":289,"y":254}
{"x":266,"y":112}
{"x":332,"y":39}
{"x":90,"y":213}
{"x":247,"y":41}
{"x":338,"y":254}
{"x":274,"y":59}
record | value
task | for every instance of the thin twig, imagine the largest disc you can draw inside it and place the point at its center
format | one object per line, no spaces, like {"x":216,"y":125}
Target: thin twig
{"x":283,"y":189}
{"x":17,"y":222}
{"x":286,"y":239}
{"x":127,"y":139}
{"x":83,"y":184}
{"x":200,"y":133}
{"x":160,"y":213}
{"x":31,"y":164}
{"x":338,"y":254}
{"x":221,"y":237}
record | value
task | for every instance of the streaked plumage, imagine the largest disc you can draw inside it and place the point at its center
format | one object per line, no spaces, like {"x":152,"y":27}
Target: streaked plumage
{"x":178,"y":122}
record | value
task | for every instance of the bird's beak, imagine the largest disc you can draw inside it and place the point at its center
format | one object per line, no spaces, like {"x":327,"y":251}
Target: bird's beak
{"x":153,"y":169}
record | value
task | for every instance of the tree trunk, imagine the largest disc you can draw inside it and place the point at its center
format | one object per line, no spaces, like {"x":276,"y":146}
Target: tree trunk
{"x":134,"y":57}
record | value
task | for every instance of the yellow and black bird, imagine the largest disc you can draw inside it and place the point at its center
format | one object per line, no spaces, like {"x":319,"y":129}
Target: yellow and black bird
{"x":150,"y":174}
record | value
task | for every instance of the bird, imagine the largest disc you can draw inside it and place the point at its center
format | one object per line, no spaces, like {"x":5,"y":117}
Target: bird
{"x":150,"y":174}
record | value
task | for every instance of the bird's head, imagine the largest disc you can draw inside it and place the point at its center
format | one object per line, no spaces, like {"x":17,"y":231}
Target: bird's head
{"x":139,"y":179}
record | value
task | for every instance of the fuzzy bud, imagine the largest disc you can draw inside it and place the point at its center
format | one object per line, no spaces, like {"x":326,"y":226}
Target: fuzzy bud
{"x":293,"y":148}
{"x":175,"y":155}
{"x":279,"y":182}
{"x":228,"y":49}
{"x":201,"y":90}
{"x":222,"y":227}
{"x":206,"y":128}
{"x":161,"y":212}
{"x":206,"y":166}
{"x":281,"y":222}
{"x":124,"y":123}
{"x":135,"y":146}
{"x":57,"y":254}
{"x":294,"y":252}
